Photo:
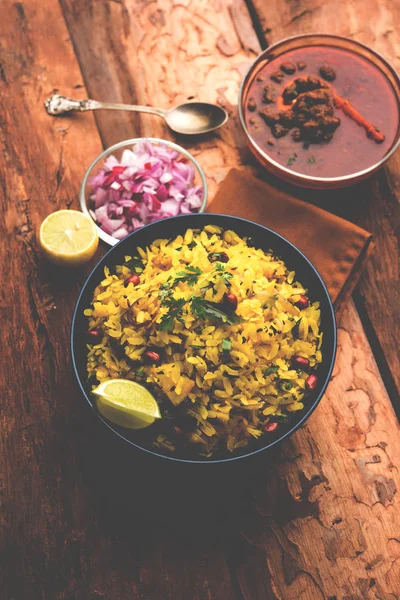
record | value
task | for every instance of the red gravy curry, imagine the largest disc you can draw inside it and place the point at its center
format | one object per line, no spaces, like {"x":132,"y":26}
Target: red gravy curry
{"x":322,"y":111}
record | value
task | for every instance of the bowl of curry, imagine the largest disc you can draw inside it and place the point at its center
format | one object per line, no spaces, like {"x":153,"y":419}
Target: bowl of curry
{"x":321,"y":111}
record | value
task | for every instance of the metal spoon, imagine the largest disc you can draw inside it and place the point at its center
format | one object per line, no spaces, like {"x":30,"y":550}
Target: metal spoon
{"x":190,"y":118}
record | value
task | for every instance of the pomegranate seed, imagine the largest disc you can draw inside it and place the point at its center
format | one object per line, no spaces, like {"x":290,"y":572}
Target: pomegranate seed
{"x":135,"y":279}
{"x":147,"y":166}
{"x":311,"y":382}
{"x":270,"y":427}
{"x":151,"y":357}
{"x":302,"y":302}
{"x":94,"y":335}
{"x":299,"y":362}
{"x":231,"y":299}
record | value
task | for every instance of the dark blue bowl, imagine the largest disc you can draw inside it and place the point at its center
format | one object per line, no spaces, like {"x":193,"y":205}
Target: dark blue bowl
{"x":262,"y":238}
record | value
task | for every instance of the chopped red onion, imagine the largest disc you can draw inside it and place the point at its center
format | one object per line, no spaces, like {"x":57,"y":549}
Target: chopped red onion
{"x":151,"y":182}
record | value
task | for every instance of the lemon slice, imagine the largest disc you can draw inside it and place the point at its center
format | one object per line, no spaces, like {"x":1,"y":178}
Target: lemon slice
{"x":126,"y":403}
{"x":68,"y":237}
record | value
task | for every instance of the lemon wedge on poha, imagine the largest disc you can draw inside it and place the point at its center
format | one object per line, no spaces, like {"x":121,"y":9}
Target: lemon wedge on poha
{"x":126,"y":403}
{"x":68,"y":238}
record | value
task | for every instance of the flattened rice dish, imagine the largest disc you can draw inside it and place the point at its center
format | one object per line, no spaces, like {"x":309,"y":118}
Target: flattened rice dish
{"x":220,"y":332}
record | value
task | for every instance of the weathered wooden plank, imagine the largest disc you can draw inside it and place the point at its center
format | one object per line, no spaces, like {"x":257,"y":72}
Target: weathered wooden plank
{"x":164,"y":53}
{"x":57,"y":536}
{"x":328,"y":525}
{"x":375,"y":204}
{"x":296,"y":540}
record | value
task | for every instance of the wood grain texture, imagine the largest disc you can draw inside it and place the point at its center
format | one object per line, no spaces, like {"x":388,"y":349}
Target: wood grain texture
{"x":374,"y":204}
{"x":333,"y":494}
{"x":164,"y":53}
{"x":56,"y":541}
{"x":80,"y":519}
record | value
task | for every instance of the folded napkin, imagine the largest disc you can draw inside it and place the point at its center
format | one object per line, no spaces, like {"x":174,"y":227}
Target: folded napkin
{"x":338,"y":249}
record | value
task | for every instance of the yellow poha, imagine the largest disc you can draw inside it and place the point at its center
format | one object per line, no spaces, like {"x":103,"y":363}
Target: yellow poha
{"x":220,"y":332}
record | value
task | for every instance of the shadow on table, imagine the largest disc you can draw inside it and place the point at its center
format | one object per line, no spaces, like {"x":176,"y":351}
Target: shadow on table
{"x":136,"y":494}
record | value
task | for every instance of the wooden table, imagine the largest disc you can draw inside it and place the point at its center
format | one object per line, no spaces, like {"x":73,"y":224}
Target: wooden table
{"x":321,"y":520}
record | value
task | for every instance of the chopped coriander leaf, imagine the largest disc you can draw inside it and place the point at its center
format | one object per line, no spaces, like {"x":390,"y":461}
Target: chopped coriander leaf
{"x":212,"y":310}
{"x":271,"y":370}
{"x":224,"y":275}
{"x":175,"y":312}
{"x":311,"y":160}
{"x":135,"y":264}
{"x":292,"y":159}
{"x":191,"y":275}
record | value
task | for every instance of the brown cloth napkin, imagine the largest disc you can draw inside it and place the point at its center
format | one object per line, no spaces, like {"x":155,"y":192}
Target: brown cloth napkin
{"x":338,"y":249}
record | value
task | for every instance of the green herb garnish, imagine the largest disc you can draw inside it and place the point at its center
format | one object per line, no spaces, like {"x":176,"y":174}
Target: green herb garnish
{"x":135,"y":264}
{"x":292,"y":159}
{"x":191,"y":275}
{"x":311,"y":160}
{"x":285,"y":386}
{"x":165,"y":290}
{"x":175,"y":312}
{"x":295,"y":329}
{"x":223,"y":274}
{"x":279,"y":418}
{"x":226,"y":346}
{"x":203,"y":309}
{"x":271,"y":370}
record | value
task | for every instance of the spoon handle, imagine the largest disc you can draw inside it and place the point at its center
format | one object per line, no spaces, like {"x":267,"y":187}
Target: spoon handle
{"x":58,"y":105}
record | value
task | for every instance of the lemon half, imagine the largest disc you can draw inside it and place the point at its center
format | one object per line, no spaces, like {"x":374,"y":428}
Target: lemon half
{"x":126,"y":403}
{"x":68,"y":237}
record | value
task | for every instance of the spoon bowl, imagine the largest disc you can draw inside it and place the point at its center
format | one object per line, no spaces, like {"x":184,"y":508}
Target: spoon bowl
{"x":193,"y":118}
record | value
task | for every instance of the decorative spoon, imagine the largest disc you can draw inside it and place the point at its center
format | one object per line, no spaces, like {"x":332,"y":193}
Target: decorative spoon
{"x":190,"y":118}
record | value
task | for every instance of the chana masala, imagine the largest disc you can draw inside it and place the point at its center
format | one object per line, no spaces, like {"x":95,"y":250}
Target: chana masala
{"x":322,"y":111}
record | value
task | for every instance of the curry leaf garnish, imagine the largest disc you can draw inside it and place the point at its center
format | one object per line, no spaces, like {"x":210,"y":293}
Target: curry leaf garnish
{"x":271,"y":370}
{"x":175,"y":308}
{"x":191,"y":275}
{"x":224,"y":275}
{"x":204,"y":309}
{"x":279,"y":418}
{"x":135,"y":264}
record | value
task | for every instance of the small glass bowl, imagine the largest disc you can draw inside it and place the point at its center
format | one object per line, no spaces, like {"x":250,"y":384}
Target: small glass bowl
{"x":301,"y":41}
{"x":117,"y":150}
